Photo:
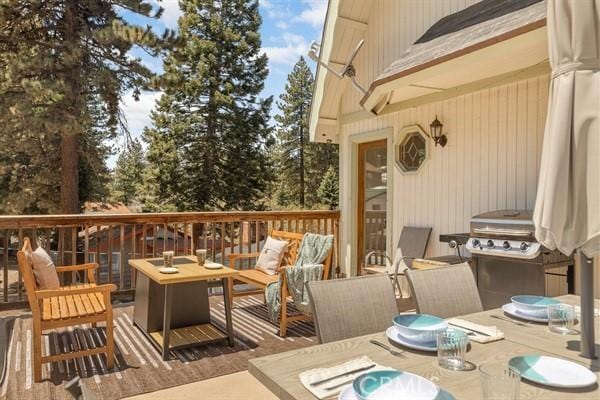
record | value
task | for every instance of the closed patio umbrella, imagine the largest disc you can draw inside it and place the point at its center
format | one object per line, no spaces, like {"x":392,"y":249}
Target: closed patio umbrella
{"x":567,"y":210}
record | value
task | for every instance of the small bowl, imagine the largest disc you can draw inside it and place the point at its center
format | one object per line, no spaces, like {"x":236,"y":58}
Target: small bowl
{"x":535,"y":306}
{"x":419,"y":328}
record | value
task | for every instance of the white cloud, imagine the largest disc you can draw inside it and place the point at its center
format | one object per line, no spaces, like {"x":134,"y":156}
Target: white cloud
{"x":137,"y":113}
{"x":284,"y":26}
{"x":314,"y":14}
{"x":277,"y":11}
{"x":294,"y":46}
{"x":171,"y":12}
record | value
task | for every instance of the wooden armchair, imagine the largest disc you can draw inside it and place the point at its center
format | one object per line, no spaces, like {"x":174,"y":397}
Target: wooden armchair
{"x":67,"y":306}
{"x":260,"y":279}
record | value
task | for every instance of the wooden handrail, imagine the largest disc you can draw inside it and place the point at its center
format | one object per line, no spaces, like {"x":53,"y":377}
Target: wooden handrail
{"x":58,"y":220}
{"x":112,"y":239}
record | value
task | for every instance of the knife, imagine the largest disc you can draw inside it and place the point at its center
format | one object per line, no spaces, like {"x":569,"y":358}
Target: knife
{"x":470,"y":330}
{"x":353,"y":371}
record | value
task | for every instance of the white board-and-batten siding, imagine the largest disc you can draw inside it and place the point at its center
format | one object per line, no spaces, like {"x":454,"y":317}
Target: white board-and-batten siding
{"x":491,"y":160}
{"x":494,"y":135}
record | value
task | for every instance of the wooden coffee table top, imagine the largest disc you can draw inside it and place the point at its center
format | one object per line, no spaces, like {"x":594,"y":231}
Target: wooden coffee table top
{"x":189,"y":270}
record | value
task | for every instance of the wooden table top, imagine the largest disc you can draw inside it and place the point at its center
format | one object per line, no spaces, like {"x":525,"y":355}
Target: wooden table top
{"x":279,"y":372}
{"x":189,"y":270}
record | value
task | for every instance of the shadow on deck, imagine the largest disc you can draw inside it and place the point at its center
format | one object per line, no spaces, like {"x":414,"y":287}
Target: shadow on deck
{"x":139,"y":367}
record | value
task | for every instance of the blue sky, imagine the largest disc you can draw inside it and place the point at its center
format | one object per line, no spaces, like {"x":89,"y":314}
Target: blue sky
{"x":287,"y":30}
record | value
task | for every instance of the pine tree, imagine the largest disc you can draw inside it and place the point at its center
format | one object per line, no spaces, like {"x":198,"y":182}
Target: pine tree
{"x":61,"y":61}
{"x":299,"y":164}
{"x":329,"y":189}
{"x":213,"y":116}
{"x":128,"y":174}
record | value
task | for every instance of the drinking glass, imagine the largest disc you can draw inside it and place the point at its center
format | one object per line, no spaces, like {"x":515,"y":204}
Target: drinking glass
{"x":561,"y":318}
{"x":499,"y":381}
{"x":452,"y":346}
{"x":168,"y":258}
{"x":201,"y":256}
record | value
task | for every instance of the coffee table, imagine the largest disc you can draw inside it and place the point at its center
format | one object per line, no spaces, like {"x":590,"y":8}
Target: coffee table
{"x":172,"y":310}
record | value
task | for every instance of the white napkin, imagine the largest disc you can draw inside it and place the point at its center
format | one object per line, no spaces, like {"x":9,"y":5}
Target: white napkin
{"x":493,"y":332}
{"x":321,"y":391}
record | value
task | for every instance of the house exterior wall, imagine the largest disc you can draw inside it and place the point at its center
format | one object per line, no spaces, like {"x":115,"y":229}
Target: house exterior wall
{"x":494,"y":140}
{"x":491,"y":161}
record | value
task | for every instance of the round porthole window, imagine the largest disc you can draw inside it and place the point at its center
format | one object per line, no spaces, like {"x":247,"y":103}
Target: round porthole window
{"x":411,"y":149}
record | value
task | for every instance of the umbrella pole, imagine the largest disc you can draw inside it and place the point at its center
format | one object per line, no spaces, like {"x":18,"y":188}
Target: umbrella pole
{"x":586,"y":273}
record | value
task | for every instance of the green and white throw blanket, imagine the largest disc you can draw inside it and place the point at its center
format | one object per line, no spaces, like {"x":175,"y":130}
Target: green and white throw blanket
{"x":309,"y":267}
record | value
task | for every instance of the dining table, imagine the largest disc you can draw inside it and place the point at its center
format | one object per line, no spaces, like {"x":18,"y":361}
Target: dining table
{"x":280,"y":372}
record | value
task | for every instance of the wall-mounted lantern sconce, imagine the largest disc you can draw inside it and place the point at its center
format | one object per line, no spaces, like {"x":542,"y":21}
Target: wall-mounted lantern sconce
{"x":435,"y":129}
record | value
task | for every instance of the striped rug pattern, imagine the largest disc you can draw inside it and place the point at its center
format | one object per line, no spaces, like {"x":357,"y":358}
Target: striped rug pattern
{"x":139,"y":367}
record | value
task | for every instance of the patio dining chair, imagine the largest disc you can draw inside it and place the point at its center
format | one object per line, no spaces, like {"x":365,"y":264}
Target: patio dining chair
{"x":345,"y":308}
{"x":411,"y":245}
{"x":445,"y":291}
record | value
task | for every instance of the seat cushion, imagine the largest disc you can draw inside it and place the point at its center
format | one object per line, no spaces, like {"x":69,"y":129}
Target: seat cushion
{"x":256,"y":277}
{"x":44,"y":270}
{"x":271,"y":255}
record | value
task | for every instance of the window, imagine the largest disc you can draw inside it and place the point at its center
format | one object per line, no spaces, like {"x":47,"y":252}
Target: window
{"x":411,"y":149}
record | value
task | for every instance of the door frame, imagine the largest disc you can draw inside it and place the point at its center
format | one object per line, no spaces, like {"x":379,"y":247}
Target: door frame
{"x":360,"y":209}
{"x":352,"y":265}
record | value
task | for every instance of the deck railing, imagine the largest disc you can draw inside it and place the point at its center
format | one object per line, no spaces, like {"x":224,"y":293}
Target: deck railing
{"x":112,"y":239}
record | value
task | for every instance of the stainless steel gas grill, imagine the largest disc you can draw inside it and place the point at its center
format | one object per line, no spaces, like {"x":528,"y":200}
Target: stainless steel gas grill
{"x":509,"y":261}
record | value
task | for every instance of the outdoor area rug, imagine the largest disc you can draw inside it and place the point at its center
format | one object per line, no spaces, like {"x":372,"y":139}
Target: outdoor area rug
{"x":139,"y":366}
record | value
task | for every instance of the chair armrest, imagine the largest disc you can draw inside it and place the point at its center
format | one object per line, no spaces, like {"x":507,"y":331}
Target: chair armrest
{"x":240,"y":256}
{"x":81,"y":267}
{"x":236,"y":256}
{"x":42,"y":294}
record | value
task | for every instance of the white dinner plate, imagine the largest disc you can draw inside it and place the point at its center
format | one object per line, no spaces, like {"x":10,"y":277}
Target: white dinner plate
{"x":394,"y":335}
{"x":348,"y":394}
{"x":168,"y":270}
{"x":213,"y":265}
{"x":552,"y":371}
{"x":510,"y":309}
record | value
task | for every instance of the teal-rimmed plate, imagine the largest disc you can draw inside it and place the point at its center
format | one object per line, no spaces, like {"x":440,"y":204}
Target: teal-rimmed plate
{"x":552,"y":371}
{"x":419,"y":327}
{"x":349,"y":394}
{"x":529,"y":303}
{"x":511,"y":310}
{"x":393,"y":385}
{"x":396,"y":336}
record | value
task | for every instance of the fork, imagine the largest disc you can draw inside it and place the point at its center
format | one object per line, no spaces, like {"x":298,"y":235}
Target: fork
{"x":391,"y":350}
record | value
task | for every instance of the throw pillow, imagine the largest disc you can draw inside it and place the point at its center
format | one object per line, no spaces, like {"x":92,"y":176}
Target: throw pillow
{"x":44,"y":270}
{"x":271,"y":255}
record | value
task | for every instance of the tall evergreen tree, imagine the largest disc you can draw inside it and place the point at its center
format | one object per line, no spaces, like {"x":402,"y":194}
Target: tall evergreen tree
{"x":299,"y":164}
{"x":329,"y":189}
{"x":128,"y":173}
{"x":213,"y":117}
{"x":57,"y":59}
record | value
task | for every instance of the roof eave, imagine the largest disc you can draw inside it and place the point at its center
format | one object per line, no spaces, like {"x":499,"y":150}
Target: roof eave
{"x":375,"y":92}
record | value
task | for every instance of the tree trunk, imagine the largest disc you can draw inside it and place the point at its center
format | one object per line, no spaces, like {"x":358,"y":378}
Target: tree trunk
{"x":69,"y":185}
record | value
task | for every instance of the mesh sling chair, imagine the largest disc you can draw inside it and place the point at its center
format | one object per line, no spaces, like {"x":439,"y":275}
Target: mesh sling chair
{"x":336,"y":304}
{"x":445,"y":291}
{"x":411,"y":245}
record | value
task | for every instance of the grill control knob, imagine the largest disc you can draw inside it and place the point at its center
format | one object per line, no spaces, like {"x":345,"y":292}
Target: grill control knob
{"x":506,"y":245}
{"x":524,"y":246}
{"x":490,"y":244}
{"x":476,"y":243}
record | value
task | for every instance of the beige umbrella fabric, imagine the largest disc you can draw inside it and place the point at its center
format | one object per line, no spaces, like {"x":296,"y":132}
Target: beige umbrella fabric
{"x":567,"y":210}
